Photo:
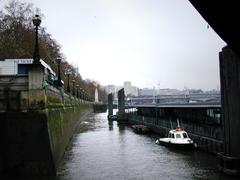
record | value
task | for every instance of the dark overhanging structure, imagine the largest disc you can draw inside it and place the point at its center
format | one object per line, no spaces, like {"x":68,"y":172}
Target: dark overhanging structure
{"x":223,"y":17}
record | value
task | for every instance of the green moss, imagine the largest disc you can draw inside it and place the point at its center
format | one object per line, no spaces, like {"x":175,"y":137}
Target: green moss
{"x":53,"y":99}
{"x":61,"y":122}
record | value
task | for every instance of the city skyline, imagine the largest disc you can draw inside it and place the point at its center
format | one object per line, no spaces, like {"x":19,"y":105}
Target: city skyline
{"x":158,"y":86}
{"x":132,"y":91}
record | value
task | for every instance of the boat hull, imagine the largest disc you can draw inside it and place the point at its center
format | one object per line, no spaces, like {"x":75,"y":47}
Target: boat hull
{"x":140,"y":129}
{"x":189,"y":146}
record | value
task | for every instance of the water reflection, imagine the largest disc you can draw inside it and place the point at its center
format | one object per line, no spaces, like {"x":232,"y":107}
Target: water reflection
{"x":121,"y":128}
{"x":110,"y":125}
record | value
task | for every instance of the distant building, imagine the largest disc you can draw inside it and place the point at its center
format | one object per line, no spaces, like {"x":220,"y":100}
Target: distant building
{"x":159,"y":92}
{"x":146,"y":92}
{"x":168,"y":91}
{"x":129,"y":89}
{"x":110,"y":89}
{"x":195,"y":91}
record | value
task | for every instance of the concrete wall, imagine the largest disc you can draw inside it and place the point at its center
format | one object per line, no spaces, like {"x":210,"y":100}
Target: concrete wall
{"x":230,"y":84}
{"x":34,"y":142}
{"x":25,"y":144}
{"x":36,"y":124}
{"x":61,"y":123}
{"x":229,"y":159}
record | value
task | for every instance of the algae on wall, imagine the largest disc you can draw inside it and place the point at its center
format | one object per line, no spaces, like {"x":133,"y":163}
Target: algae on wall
{"x":61,"y":124}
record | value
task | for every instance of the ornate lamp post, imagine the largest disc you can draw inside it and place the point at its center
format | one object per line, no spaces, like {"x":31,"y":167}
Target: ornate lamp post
{"x":36,"y":22}
{"x":81,"y":93}
{"x":59,"y":74}
{"x":67,"y":73}
{"x":73,"y":81}
{"x":77,"y":90}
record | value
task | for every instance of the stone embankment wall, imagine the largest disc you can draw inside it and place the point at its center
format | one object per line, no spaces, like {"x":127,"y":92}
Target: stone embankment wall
{"x":35,"y":126}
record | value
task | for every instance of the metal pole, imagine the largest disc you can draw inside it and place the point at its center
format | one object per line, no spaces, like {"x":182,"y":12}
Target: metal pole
{"x":36,"y":57}
{"x":68,"y":86}
{"x":77,"y":90}
{"x":59,"y":74}
{"x":73,"y":87}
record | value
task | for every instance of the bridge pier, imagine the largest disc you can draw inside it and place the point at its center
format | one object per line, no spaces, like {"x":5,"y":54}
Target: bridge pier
{"x":229,"y":160}
{"x":121,"y":106}
{"x":110,"y":104}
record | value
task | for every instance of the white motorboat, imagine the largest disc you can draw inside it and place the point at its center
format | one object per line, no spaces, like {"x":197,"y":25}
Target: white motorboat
{"x":177,"y":138}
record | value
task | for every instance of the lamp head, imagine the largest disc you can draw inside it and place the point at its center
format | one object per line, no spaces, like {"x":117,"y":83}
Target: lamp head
{"x":58,"y":59}
{"x":36,"y":20}
{"x":68,"y":72}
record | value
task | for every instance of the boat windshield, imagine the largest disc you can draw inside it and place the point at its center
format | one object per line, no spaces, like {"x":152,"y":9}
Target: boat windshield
{"x":178,"y":135}
{"x":185,"y":135}
{"x":171,"y":135}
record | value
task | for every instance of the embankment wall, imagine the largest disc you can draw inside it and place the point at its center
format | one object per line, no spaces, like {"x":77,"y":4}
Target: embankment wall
{"x":35,"y":129}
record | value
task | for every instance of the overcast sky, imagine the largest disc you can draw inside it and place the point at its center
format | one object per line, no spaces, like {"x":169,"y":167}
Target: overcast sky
{"x":147,"y":42}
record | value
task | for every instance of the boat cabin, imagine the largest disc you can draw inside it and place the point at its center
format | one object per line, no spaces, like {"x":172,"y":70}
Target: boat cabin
{"x":177,"y":134}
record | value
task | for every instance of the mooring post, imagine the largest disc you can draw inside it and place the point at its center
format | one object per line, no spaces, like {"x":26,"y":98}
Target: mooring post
{"x":229,"y":160}
{"x":121,"y":105}
{"x":110,"y":104}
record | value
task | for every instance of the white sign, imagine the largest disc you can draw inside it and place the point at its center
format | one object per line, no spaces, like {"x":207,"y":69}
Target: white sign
{"x":25,"y":61}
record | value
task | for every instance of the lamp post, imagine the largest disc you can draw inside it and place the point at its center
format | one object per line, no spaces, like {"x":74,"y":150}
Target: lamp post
{"x":81,"y":93}
{"x":68,"y":72}
{"x":77,"y":90}
{"x":73,"y":81}
{"x":59,"y":74}
{"x":36,"y":22}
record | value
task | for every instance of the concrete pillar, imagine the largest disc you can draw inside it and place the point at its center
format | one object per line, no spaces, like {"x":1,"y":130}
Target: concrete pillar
{"x":35,"y":76}
{"x":36,"y":93}
{"x":96,"y":95}
{"x":110,"y":104}
{"x":121,"y":104}
{"x":230,"y":95}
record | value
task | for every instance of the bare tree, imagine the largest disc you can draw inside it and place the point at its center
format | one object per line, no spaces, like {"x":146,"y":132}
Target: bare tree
{"x":17,"y":41}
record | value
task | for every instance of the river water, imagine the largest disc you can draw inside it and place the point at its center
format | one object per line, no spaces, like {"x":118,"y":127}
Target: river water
{"x":103,"y":151}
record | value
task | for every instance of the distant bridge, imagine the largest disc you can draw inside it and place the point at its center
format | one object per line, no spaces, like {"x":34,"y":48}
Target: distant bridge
{"x":182,"y":98}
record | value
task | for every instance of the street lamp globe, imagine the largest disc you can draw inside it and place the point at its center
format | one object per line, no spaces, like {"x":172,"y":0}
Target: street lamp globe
{"x":36,"y":20}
